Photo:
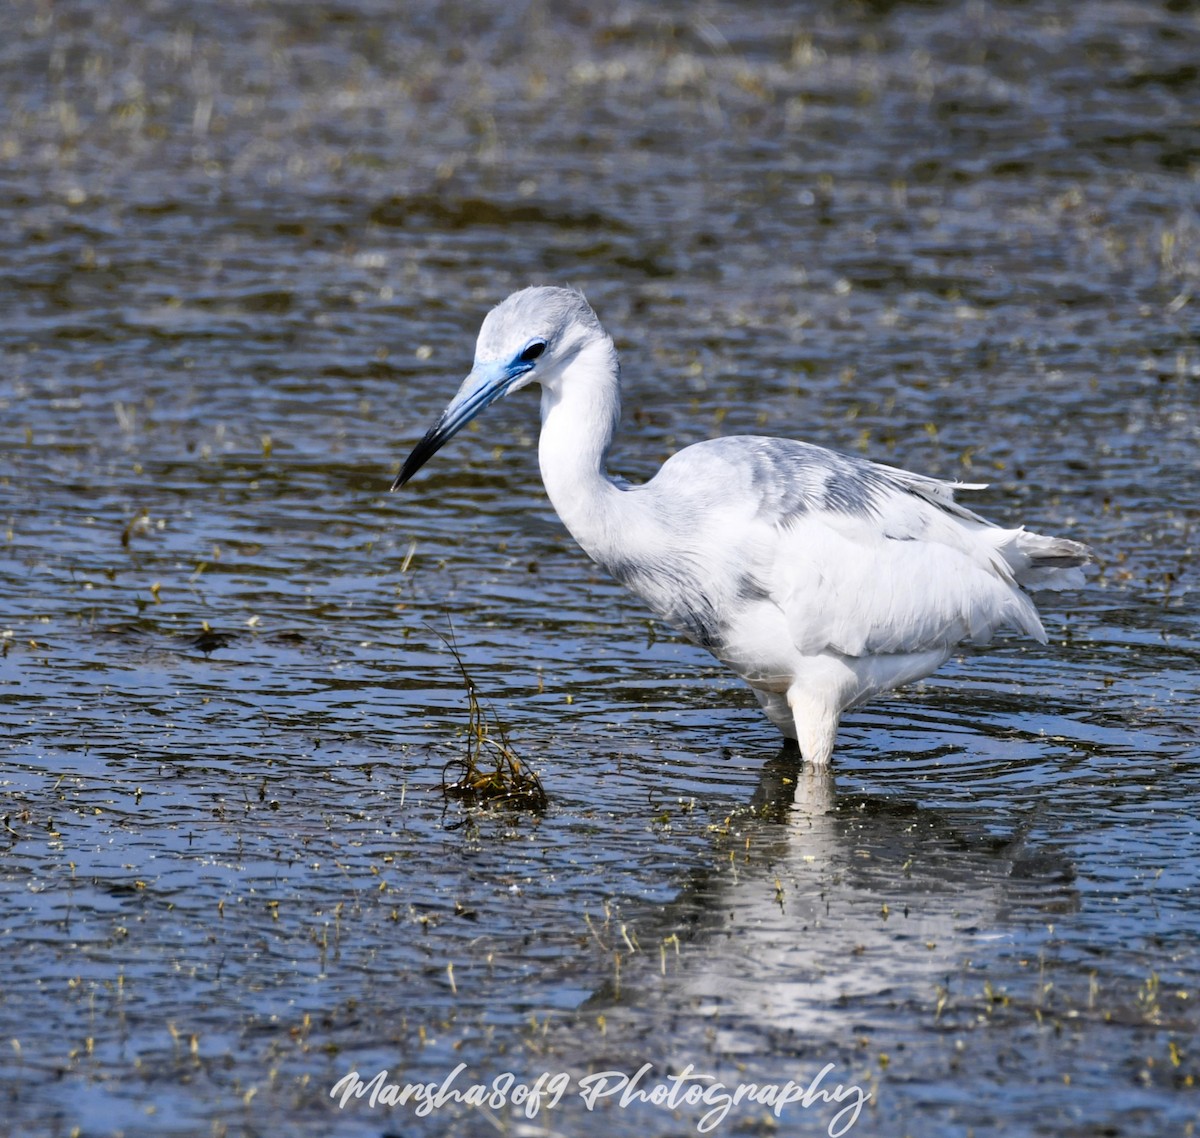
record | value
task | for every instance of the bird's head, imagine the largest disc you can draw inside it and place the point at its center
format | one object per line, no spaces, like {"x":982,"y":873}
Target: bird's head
{"x":530,"y":337}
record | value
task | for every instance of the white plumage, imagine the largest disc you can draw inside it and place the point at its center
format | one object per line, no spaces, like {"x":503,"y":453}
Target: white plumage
{"x":819,"y":578}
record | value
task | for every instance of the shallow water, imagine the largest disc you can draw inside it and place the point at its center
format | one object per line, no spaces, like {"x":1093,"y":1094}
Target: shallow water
{"x":246,"y":249}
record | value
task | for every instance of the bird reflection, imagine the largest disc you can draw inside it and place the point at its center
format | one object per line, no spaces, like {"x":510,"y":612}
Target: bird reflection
{"x":822,"y":910}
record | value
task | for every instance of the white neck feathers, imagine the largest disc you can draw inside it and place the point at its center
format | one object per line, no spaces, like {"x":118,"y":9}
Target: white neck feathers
{"x":581,"y":407}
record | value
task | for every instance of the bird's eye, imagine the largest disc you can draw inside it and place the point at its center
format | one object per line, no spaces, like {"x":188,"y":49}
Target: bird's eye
{"x":532,"y":351}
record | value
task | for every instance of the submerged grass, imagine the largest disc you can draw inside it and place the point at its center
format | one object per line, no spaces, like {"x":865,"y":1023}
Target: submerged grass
{"x":472,"y":778}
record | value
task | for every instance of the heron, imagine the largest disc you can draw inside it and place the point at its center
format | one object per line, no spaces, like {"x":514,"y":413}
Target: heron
{"x":820,"y":578}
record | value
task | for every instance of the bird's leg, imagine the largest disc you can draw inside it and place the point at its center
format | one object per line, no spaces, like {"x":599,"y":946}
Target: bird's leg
{"x":775,"y":704}
{"x":816,"y":722}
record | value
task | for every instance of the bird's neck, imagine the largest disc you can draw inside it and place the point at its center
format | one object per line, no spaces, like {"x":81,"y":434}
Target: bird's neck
{"x":579,"y":415}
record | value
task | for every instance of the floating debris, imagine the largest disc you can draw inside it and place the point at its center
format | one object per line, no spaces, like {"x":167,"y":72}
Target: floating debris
{"x":137,"y":526}
{"x":472,"y":778}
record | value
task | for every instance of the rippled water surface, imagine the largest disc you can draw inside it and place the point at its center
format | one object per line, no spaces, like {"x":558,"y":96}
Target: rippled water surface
{"x":245,"y":251}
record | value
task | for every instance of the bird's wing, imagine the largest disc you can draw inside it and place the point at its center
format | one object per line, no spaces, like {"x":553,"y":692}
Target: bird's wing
{"x":844,"y":585}
{"x":859,"y":558}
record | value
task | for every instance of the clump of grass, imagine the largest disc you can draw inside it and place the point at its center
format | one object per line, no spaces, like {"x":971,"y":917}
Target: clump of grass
{"x":473,"y":778}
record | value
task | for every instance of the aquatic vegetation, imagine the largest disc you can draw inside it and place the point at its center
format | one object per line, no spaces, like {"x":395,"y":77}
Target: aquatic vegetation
{"x":472,"y":777}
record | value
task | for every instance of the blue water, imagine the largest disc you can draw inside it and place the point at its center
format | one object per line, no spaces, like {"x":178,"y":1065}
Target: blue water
{"x":246,"y":250}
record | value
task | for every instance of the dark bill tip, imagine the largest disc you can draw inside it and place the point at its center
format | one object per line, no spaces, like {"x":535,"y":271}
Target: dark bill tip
{"x":421,"y":454}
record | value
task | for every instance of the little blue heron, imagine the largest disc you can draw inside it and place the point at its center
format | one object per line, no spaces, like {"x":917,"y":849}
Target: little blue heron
{"x":819,"y":578}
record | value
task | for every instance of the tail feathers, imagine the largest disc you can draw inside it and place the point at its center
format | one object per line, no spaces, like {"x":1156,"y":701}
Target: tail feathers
{"x":1040,"y":562}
